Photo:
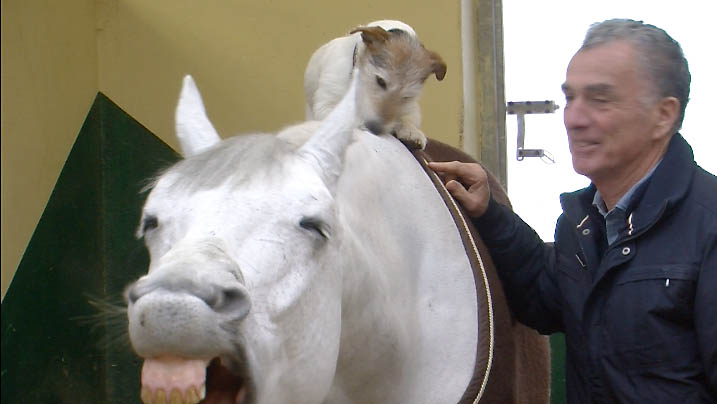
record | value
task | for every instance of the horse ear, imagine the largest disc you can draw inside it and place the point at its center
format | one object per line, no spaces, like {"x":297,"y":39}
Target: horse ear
{"x":327,"y":146}
{"x":194,"y":130}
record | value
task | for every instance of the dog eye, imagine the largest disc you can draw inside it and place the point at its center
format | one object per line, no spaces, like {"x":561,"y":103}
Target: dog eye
{"x":381,"y":82}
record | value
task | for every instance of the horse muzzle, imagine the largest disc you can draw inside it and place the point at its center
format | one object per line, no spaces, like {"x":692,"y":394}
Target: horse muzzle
{"x":184,"y":315}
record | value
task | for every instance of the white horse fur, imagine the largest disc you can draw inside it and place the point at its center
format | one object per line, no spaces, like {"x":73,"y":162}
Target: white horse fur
{"x":325,"y":270}
{"x":394,"y":66}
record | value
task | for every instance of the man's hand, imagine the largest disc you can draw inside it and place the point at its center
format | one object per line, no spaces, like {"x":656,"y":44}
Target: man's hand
{"x":467,"y":182}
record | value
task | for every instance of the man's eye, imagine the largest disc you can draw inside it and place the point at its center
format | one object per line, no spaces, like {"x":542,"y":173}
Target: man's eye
{"x":600,"y":100}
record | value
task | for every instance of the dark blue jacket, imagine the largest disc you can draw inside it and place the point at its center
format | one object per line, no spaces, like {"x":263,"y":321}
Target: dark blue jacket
{"x":640,"y":315}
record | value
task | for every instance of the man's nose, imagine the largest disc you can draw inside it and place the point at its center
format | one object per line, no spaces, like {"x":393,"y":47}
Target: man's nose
{"x":576,"y":115}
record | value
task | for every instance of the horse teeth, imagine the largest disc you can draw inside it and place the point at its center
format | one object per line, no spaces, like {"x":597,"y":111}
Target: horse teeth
{"x":160,"y":397}
{"x":192,"y":396}
{"x":146,"y":395}
{"x":171,"y":380}
{"x":176,"y":397}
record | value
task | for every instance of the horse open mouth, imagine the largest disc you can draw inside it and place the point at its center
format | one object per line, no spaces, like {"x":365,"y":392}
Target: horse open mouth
{"x":173,"y":380}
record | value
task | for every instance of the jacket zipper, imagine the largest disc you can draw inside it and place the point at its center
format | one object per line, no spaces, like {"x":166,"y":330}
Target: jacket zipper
{"x":580,"y":255}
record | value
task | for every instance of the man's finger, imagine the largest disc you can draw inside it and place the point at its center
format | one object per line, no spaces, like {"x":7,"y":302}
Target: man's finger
{"x":460,"y":193}
{"x":475,"y":203}
{"x":466,"y":173}
{"x":445,"y":167}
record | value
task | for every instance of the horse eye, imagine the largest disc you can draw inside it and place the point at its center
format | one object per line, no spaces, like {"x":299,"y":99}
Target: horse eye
{"x":149,"y":223}
{"x":381,"y":82}
{"x":314,"y":224}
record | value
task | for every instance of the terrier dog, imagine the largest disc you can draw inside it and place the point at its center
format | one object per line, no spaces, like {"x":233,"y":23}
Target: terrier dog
{"x":393,"y":67}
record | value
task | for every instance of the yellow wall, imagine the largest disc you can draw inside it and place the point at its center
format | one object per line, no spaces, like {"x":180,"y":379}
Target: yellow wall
{"x":248,"y":58}
{"x":49,"y":80}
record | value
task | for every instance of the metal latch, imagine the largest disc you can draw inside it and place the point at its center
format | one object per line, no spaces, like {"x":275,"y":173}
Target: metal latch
{"x":521,"y":108}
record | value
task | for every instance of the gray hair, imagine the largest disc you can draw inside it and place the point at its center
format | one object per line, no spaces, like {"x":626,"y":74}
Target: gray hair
{"x":661,"y":56}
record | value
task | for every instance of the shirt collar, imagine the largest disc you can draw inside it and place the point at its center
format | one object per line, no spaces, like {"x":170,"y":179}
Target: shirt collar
{"x":624,"y":202}
{"x":670,"y":184}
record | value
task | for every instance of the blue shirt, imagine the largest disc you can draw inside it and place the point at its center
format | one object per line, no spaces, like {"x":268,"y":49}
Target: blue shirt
{"x":618,"y":217}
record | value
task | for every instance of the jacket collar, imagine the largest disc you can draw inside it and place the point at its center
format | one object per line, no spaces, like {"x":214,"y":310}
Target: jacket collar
{"x":668,"y":185}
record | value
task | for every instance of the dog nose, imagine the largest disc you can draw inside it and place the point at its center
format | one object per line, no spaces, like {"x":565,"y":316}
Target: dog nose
{"x":374,"y":127}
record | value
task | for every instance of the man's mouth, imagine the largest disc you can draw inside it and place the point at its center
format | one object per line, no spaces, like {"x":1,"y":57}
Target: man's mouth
{"x":582,"y":145}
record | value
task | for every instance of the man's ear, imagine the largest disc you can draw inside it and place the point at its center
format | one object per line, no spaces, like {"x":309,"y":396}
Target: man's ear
{"x":668,"y":111}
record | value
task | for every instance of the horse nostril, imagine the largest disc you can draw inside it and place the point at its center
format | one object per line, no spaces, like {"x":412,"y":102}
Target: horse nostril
{"x":135,"y":291}
{"x":132,"y":295}
{"x":231,"y":301}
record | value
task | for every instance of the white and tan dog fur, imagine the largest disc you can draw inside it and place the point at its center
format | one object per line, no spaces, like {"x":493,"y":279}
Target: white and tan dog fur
{"x":394,"y":65}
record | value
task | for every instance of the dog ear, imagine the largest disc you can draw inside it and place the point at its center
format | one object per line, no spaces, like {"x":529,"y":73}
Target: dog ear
{"x":372,"y":36}
{"x":438,"y":66}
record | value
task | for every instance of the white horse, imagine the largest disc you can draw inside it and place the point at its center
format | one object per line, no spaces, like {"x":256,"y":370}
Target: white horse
{"x":318,"y":265}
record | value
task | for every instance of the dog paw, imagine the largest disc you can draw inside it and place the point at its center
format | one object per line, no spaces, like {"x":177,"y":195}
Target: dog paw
{"x":411,"y":136}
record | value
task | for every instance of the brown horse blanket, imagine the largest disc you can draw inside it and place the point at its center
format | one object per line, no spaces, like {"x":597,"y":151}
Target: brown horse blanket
{"x":512,"y":362}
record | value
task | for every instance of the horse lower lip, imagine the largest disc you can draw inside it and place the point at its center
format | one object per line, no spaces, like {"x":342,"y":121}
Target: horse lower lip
{"x":190,"y":381}
{"x":174,"y":379}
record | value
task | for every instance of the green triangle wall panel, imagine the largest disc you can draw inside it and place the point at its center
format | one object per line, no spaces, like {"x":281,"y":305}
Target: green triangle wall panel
{"x":83,"y":247}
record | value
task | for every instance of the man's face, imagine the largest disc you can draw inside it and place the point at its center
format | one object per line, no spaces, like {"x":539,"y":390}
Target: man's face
{"x":608,"y":114}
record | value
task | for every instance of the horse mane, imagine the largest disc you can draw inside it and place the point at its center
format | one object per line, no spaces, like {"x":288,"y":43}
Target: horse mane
{"x":237,"y":160}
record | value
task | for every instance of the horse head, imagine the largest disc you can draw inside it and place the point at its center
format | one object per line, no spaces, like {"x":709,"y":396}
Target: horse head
{"x":243,"y":273}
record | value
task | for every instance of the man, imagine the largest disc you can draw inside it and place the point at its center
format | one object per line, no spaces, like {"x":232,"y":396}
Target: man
{"x":632,"y":276}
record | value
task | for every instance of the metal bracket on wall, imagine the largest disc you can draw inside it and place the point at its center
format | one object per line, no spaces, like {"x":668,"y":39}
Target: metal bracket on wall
{"x":521,"y":108}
